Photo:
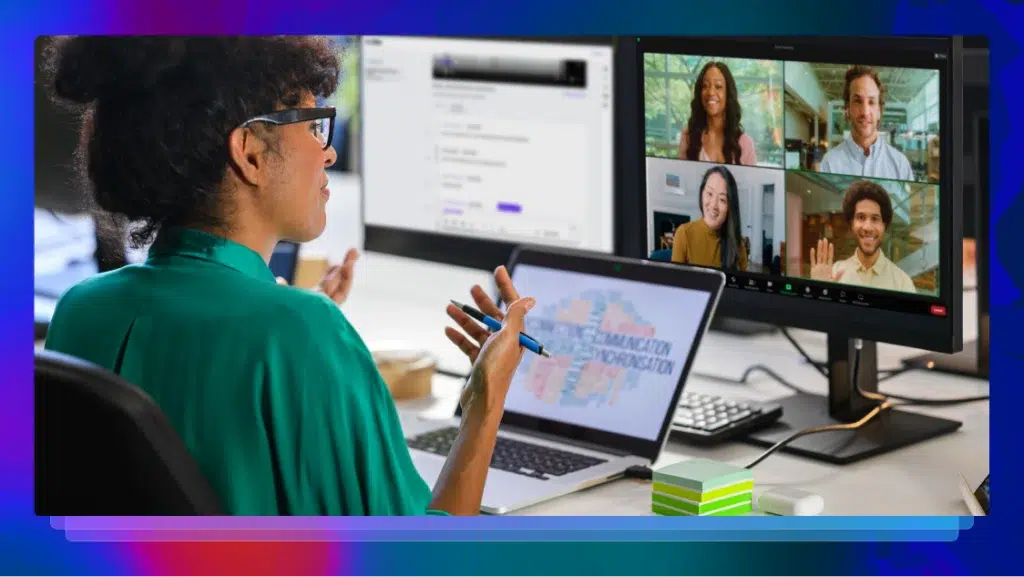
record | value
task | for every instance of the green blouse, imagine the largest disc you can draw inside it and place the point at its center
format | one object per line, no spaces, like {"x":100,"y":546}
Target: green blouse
{"x":271,"y":389}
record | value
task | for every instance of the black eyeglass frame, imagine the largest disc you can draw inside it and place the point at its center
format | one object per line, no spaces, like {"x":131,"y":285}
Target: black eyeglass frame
{"x":295,"y":115}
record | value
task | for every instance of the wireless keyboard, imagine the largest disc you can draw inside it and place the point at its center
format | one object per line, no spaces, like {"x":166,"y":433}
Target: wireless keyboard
{"x":712,"y":419}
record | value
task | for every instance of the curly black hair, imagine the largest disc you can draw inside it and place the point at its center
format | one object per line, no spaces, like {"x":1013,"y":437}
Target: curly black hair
{"x":699,"y":117}
{"x":867,"y":190}
{"x":159,"y":111}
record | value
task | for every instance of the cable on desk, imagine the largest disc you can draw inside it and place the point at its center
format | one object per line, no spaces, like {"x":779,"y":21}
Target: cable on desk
{"x":641,"y":472}
{"x":937,"y":402}
{"x":750,"y":371}
{"x":884,"y":375}
{"x":822,"y":367}
{"x":743,"y":380}
{"x":807,"y":357}
{"x":883,"y":405}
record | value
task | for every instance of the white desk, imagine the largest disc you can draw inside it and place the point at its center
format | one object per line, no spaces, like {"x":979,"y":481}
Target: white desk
{"x":919,"y":480}
{"x":397,"y":299}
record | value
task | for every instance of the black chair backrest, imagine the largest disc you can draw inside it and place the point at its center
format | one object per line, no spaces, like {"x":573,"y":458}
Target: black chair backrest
{"x":102,"y":447}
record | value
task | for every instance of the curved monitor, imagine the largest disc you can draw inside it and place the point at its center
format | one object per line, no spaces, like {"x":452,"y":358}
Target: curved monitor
{"x":823,"y":175}
{"x":471,"y":146}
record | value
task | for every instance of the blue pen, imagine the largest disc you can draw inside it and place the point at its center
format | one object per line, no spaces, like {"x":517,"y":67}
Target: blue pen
{"x":526,"y":340}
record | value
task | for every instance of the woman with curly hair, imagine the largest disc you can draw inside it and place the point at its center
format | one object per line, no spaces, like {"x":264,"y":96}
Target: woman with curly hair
{"x":216,"y":149}
{"x":715,"y":115}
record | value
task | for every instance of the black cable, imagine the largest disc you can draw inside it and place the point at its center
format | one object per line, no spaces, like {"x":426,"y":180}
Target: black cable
{"x":746,"y":375}
{"x":743,"y":380}
{"x":886,"y":375}
{"x":642,"y":472}
{"x":882,"y":406}
{"x":792,"y":341}
{"x":883,"y":399}
{"x":822,"y":367}
{"x":937,"y":402}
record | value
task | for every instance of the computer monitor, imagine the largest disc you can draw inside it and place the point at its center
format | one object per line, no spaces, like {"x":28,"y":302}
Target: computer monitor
{"x":471,"y":146}
{"x":819,"y":236}
{"x":973,"y":360}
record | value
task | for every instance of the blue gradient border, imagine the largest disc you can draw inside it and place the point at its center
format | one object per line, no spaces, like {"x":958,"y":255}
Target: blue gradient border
{"x":29,"y":545}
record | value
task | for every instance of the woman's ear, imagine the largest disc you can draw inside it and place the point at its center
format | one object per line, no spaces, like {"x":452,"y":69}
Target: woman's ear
{"x":246,"y":150}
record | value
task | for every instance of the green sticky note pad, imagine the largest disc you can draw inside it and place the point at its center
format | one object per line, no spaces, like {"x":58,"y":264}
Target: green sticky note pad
{"x":703,"y":475}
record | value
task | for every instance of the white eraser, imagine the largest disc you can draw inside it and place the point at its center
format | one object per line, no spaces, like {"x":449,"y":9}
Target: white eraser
{"x":790,"y":502}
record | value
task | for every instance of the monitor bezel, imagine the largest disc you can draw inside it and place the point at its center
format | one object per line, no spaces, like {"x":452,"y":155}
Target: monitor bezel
{"x":706,"y":280}
{"x":936,"y":333}
{"x":471,"y":252}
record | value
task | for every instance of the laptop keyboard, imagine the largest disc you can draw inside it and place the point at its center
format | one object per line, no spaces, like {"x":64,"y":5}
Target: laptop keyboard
{"x":536,"y":461}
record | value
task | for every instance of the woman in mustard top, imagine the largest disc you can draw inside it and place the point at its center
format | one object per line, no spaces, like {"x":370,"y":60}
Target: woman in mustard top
{"x":216,"y":147}
{"x":714,"y":240}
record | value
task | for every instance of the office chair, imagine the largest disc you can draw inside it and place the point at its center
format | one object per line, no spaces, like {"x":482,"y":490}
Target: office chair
{"x":102,"y":447}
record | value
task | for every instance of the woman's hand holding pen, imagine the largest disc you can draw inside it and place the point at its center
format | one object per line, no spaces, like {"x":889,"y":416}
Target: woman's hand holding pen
{"x":460,"y":485}
{"x":496,"y":356}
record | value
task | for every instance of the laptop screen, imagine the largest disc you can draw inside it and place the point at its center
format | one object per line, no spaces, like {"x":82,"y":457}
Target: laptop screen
{"x":618,"y":348}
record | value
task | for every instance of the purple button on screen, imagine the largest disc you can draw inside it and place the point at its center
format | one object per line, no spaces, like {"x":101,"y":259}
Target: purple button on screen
{"x":509,"y":207}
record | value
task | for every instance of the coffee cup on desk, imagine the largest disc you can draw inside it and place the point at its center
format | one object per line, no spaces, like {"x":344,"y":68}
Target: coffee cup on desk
{"x":407,"y":372}
{"x":310,"y":270}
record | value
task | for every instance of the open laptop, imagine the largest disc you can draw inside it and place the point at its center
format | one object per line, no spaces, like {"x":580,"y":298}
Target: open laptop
{"x":622,"y":336}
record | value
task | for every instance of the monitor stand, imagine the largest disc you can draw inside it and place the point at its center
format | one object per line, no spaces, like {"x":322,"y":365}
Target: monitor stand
{"x":741,"y":327}
{"x":893,"y":429}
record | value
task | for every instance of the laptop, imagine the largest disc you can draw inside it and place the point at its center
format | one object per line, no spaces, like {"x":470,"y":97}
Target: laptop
{"x":622,"y":335}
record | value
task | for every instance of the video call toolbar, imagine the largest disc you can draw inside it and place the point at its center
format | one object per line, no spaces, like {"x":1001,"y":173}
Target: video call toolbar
{"x":841,"y":294}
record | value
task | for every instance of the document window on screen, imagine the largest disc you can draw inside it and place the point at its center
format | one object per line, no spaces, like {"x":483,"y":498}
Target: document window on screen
{"x":817,"y":180}
{"x":502,"y":140}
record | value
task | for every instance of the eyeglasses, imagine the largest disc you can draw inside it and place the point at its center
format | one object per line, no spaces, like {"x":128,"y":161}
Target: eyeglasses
{"x":322,"y":119}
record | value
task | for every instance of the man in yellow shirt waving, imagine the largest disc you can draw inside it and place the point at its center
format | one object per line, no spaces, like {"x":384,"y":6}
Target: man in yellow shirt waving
{"x":868,"y":210}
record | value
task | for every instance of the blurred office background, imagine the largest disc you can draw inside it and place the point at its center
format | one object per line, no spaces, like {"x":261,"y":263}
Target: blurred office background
{"x":814,"y":207}
{"x":669,"y":81}
{"x":815,"y":119}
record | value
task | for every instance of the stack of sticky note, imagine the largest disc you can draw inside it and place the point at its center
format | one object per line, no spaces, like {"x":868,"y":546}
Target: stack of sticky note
{"x":702,"y":487}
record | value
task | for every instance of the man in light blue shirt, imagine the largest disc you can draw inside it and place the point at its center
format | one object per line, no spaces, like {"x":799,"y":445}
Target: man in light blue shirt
{"x":863,"y":153}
